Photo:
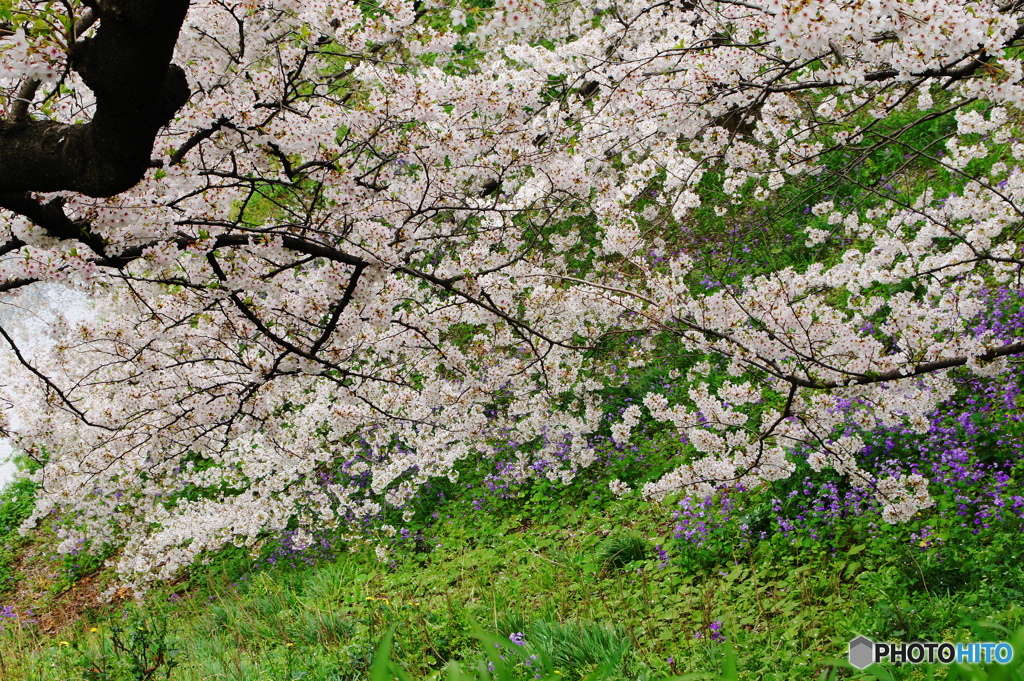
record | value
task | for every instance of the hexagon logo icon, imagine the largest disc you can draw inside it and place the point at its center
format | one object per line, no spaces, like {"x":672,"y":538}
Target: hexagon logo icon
{"x":862,"y":652}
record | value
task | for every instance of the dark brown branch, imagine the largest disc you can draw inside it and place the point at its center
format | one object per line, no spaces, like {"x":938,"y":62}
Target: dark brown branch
{"x":332,"y":323}
{"x":196,"y":138}
{"x":51,"y":217}
{"x":919,"y":370}
{"x":11,"y":284}
{"x":293,"y":243}
{"x":974,"y":62}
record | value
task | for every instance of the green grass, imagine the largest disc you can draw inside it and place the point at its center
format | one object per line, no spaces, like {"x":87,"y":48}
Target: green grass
{"x":620,"y":550}
{"x":786,"y":612}
{"x":16,"y":502}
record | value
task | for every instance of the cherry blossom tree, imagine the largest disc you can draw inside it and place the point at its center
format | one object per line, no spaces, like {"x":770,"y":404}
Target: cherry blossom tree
{"x":329,"y":236}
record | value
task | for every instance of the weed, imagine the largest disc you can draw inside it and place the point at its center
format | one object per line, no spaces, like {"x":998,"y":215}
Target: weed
{"x":619,"y":550}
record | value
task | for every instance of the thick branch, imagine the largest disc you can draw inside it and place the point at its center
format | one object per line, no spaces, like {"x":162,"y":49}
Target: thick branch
{"x":51,"y":217}
{"x":128,"y":67}
{"x":293,"y":243}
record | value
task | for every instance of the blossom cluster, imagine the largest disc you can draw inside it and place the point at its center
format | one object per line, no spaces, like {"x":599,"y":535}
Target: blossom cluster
{"x":374,"y":240}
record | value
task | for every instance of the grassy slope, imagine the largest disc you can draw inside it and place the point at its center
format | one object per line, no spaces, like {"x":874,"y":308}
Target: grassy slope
{"x":787,"y":611}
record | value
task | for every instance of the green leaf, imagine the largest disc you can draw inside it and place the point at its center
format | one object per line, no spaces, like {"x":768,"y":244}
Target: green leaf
{"x":380,"y":671}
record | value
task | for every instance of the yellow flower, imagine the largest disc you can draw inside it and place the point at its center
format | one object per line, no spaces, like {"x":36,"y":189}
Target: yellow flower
{"x":63,"y":643}
{"x":94,"y":630}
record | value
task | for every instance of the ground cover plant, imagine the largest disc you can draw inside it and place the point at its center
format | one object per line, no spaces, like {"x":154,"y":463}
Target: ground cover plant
{"x":538,"y":581}
{"x":15,"y":503}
